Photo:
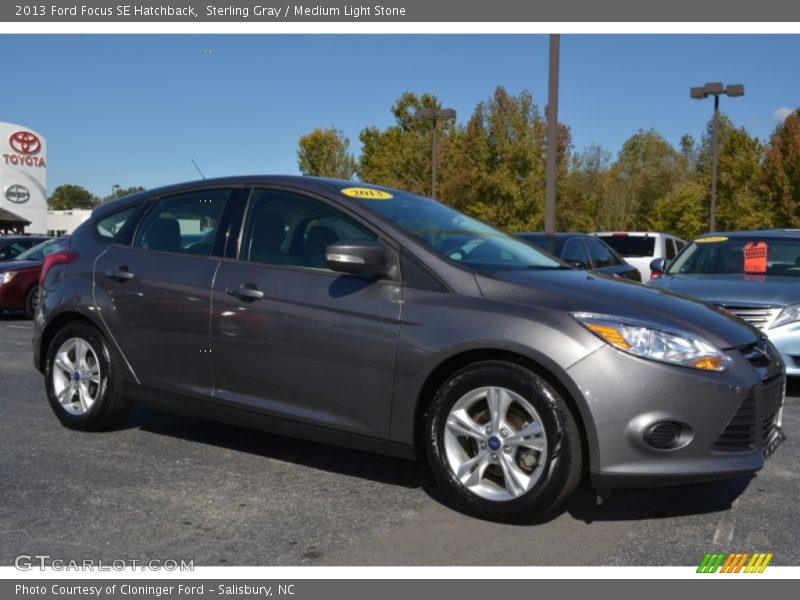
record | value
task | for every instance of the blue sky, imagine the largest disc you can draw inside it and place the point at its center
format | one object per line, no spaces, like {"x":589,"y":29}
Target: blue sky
{"x":134,"y":110}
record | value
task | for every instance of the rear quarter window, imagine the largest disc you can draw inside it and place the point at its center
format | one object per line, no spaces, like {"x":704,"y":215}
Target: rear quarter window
{"x":108,"y":227}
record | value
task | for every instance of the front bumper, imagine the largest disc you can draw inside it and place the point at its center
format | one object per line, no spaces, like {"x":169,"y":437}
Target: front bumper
{"x":729,"y":420}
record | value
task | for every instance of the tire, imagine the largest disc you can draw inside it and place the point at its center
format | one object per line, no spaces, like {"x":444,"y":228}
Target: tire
{"x":543,"y":462}
{"x":31,"y":300}
{"x":94,"y":400}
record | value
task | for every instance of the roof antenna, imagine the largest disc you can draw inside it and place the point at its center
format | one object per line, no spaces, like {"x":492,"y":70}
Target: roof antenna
{"x":198,"y":169}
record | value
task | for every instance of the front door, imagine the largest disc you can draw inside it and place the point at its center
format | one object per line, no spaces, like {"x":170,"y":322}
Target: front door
{"x":290,"y":337}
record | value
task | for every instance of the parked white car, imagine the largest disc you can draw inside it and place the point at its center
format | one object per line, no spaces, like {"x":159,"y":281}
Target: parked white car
{"x":639,"y":248}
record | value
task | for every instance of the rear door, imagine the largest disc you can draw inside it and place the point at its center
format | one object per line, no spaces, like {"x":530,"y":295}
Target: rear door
{"x":292,"y":338}
{"x":159,"y":288}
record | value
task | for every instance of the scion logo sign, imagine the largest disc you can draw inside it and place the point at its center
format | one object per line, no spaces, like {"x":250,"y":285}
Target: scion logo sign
{"x":18,"y":194}
{"x":25,"y":145}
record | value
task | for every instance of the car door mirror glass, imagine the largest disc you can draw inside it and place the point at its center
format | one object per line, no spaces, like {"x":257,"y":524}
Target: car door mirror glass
{"x":365,"y":257}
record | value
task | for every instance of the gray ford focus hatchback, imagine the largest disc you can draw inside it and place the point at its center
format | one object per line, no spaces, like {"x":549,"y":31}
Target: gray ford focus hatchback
{"x":368,"y":317}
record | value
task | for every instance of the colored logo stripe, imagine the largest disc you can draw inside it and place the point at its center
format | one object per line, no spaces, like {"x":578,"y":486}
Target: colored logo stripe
{"x":734,"y":562}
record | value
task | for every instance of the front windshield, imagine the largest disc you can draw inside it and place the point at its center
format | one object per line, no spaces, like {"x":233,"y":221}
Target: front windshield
{"x":460,"y":238}
{"x":754,"y":255}
{"x":39,"y":251}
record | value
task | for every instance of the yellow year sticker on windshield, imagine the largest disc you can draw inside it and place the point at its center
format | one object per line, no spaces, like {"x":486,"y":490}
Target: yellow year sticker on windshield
{"x":710,"y":240}
{"x":366,"y":193}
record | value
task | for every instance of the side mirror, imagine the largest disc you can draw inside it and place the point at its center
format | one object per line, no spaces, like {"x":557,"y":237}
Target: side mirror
{"x":657,"y":267}
{"x":578,"y":264}
{"x":365,"y":257}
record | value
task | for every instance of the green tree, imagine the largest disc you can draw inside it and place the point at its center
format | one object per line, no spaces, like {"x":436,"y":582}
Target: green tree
{"x":780,"y":182}
{"x":646,"y":170}
{"x":740,"y":201}
{"x":326,"y":153}
{"x":69,"y":196}
{"x":400,"y":155}
{"x":683,"y":211}
{"x":120,"y":192}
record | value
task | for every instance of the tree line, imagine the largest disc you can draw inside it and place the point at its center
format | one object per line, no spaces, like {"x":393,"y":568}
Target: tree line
{"x":493,"y":167}
{"x":70,"y":196}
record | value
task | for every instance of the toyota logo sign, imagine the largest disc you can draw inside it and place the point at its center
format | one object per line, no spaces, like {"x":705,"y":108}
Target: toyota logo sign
{"x":25,"y":142}
{"x":18,"y":194}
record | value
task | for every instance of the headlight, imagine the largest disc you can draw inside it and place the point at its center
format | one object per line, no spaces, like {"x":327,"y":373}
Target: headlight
{"x":673,"y":347}
{"x":6,"y":276}
{"x":790,"y":314}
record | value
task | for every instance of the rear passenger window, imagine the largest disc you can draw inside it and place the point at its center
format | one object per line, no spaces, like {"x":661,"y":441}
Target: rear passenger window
{"x":670,"y":249}
{"x":283,"y":228}
{"x":110,"y":226}
{"x":184,"y":223}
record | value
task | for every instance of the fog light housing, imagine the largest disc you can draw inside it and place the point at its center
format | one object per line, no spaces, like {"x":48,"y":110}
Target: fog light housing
{"x":664,"y":435}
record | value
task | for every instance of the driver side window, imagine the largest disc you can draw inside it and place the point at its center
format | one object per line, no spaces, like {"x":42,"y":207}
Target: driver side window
{"x":284,"y":228}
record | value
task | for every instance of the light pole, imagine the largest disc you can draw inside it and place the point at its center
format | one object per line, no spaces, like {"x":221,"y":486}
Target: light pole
{"x":701,"y":93}
{"x":435,"y":115}
{"x":552,"y":138}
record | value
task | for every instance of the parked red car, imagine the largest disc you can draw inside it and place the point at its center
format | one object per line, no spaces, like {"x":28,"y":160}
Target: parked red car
{"x":19,"y":278}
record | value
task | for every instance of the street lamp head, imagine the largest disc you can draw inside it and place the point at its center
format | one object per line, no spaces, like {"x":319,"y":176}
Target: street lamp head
{"x":735,"y":90}
{"x":425,"y":113}
{"x":698,"y":93}
{"x":714,"y":89}
{"x":447,"y":113}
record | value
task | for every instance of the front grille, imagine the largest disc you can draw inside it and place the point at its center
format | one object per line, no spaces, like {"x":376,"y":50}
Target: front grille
{"x":758,"y":316}
{"x":740,"y":432}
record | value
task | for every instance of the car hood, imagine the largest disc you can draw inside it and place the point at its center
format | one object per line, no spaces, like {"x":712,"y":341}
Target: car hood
{"x":577,"y":291}
{"x":734,"y":288}
{"x":19,"y":265}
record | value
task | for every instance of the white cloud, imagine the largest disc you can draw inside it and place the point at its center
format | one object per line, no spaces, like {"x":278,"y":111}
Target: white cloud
{"x":780,"y":114}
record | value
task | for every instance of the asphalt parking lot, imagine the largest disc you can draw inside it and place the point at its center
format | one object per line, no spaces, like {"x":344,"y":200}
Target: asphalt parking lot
{"x":167,"y":487}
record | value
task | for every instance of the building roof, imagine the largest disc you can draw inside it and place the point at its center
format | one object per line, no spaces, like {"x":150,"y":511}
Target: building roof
{"x":9,"y":218}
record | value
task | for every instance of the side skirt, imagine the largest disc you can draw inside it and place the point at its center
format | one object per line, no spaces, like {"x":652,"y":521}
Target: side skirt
{"x":213,"y":411}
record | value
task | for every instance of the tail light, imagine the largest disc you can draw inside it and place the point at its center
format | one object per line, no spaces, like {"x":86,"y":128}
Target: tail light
{"x":63,"y":256}
{"x":655,"y":274}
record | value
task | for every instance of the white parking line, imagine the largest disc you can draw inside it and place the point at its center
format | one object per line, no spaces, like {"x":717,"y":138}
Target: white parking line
{"x":724,"y":533}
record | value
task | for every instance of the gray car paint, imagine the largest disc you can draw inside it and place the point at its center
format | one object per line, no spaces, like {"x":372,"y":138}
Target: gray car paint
{"x":347,"y":380}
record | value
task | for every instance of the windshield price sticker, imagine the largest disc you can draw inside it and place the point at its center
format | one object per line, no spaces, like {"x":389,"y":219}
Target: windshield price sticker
{"x":755,"y":257}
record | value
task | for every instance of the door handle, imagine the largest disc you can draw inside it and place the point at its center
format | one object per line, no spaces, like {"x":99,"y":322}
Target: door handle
{"x":121,"y":274}
{"x":246,"y":291}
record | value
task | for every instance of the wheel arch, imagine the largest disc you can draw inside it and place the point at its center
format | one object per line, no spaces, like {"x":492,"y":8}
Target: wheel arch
{"x":560,"y":381}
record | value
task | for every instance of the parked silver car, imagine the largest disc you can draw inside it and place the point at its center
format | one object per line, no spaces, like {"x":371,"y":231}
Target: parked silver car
{"x":753,"y":274}
{"x":384,"y":321}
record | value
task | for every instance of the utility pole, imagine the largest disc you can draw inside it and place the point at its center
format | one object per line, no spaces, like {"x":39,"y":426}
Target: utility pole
{"x":552,"y":137}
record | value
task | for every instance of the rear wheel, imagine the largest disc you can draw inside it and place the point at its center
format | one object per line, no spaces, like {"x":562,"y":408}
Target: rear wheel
{"x":82,"y":379}
{"x":502,"y":443}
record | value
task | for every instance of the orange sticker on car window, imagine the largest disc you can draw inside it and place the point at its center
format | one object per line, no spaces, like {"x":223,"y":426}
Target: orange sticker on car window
{"x":755,"y":257}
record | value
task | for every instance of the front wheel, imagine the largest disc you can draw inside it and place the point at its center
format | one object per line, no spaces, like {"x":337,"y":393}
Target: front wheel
{"x":82,"y":378}
{"x":502,"y":443}
{"x":32,"y":301}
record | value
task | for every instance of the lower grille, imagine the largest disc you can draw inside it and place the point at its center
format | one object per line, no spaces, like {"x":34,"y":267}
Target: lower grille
{"x":758,"y":316}
{"x":771,"y":428}
{"x":740,"y":432}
